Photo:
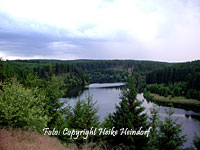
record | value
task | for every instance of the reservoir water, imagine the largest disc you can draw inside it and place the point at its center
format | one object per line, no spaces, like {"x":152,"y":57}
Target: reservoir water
{"x":107,"y":96}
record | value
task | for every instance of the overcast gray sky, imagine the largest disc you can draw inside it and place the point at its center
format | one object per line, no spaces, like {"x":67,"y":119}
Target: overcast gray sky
{"x":160,"y":30}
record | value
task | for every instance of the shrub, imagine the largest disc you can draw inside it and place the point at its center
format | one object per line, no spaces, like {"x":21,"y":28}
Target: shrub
{"x":21,"y":107}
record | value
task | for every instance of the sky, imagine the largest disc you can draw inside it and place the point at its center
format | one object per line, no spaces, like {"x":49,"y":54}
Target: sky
{"x":159,"y":30}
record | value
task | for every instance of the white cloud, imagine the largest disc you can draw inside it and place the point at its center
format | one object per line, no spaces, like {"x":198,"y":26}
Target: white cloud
{"x":152,"y":29}
{"x":107,"y":17}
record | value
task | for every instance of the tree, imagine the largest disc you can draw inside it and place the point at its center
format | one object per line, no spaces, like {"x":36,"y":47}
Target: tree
{"x":1,"y":67}
{"x":53,"y":92}
{"x":169,"y":136}
{"x":90,"y":110}
{"x":129,"y":114}
{"x":196,"y":142}
{"x":21,"y":107}
{"x":154,"y":123}
{"x":84,"y":117}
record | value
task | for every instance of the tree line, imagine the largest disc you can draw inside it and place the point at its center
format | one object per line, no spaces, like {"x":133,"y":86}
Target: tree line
{"x":175,"y":89}
{"x":101,"y":71}
{"x":181,"y":79}
{"x":116,"y":70}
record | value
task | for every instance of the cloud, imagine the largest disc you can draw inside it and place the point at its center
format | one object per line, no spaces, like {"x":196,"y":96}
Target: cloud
{"x":100,"y":29}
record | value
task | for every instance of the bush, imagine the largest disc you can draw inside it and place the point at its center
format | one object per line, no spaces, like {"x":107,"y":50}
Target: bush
{"x":21,"y":107}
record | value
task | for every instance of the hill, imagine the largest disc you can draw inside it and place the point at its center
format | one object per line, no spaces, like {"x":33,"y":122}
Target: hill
{"x":102,"y":71}
{"x":181,"y":79}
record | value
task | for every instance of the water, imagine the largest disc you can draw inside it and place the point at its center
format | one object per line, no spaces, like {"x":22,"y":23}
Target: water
{"x":107,"y":96}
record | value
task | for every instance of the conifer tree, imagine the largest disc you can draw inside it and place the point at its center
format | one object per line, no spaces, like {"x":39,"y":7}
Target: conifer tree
{"x":129,"y":114}
{"x":170,"y":134}
{"x":196,"y":142}
{"x":85,"y":117}
{"x":90,"y":111}
{"x":53,"y":93}
{"x":154,"y":123}
{"x":1,"y":70}
{"x":77,"y":120}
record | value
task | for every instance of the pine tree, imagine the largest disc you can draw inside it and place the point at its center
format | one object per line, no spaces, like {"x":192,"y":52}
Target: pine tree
{"x":129,"y":114}
{"x":53,"y":93}
{"x":78,"y":120}
{"x":196,"y":142}
{"x":1,"y":67}
{"x":90,"y":111}
{"x":85,"y":117}
{"x":169,"y":137}
{"x":154,"y":123}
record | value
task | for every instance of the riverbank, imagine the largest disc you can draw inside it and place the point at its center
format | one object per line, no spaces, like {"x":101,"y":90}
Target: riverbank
{"x":179,"y":102}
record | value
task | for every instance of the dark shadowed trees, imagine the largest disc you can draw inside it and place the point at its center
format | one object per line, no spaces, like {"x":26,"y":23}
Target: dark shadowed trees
{"x":129,"y":114}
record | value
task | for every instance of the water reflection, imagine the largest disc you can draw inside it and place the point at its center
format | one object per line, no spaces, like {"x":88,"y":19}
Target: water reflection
{"x":107,"y":97}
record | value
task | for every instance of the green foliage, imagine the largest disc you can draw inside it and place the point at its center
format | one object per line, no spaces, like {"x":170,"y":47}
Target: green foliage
{"x":185,"y":77}
{"x":169,"y":136}
{"x":90,"y":112}
{"x":175,"y":89}
{"x":129,"y":114}
{"x":84,"y":117}
{"x":78,"y":119}
{"x":53,"y":92}
{"x":154,"y":123}
{"x":31,"y":100}
{"x":102,"y":71}
{"x":22,"y":70}
{"x":21,"y":107}
{"x":50,"y":80}
{"x":166,"y":134}
{"x":97,"y":70}
{"x":1,"y":67}
{"x":147,"y":95}
{"x":140,"y":81}
{"x":196,"y":142}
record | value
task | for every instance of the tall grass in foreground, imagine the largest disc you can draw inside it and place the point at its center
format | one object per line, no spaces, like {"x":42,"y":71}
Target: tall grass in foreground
{"x":23,"y":140}
{"x":18,"y":139}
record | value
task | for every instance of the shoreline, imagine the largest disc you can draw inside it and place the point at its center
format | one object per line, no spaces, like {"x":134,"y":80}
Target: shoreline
{"x":178,"y":102}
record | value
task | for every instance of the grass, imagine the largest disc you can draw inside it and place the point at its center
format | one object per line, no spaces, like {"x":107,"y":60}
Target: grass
{"x":180,"y":100}
{"x":177,"y":102}
{"x":18,"y":139}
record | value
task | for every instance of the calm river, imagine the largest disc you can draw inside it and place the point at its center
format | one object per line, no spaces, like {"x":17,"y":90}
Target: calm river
{"x":107,"y":96}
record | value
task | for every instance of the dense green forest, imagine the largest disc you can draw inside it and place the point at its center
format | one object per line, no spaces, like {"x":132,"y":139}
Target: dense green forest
{"x":116,"y":70}
{"x":42,"y":70}
{"x":106,"y":71}
{"x":181,"y":79}
{"x":30,"y":93}
{"x":29,"y":99}
{"x":68,"y":75}
{"x":103,"y":71}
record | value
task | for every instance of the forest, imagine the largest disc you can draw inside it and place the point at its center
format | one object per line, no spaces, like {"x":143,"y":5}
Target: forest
{"x":101,"y":71}
{"x":181,"y":79}
{"x":30,"y":92}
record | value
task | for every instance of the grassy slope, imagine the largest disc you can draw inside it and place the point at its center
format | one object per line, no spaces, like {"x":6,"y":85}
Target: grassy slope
{"x":24,"y":140}
{"x":179,"y":102}
{"x":18,"y":139}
